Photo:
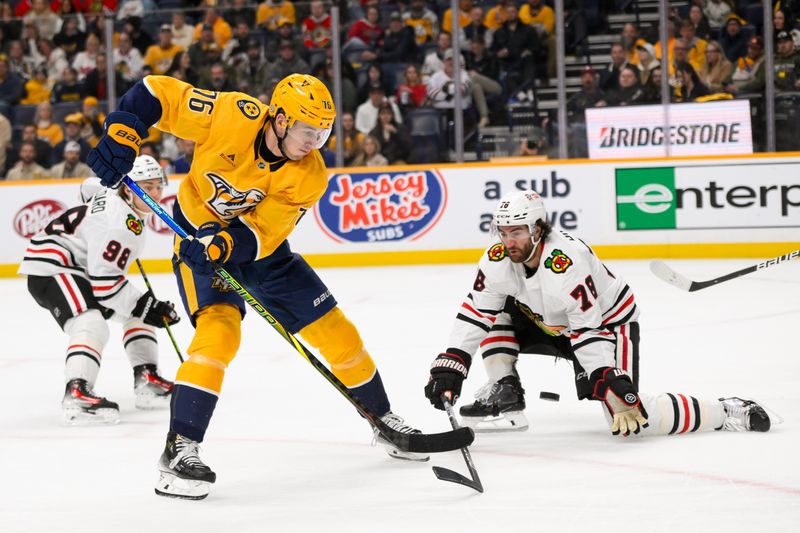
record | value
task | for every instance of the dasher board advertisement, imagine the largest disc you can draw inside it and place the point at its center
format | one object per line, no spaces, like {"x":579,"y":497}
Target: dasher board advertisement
{"x":708,"y":128}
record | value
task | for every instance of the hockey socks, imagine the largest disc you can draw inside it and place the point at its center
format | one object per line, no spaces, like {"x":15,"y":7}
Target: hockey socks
{"x":373,"y":395}
{"x":191,"y":411}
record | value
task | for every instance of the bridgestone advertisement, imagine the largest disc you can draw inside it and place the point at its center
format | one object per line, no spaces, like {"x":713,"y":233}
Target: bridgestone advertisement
{"x":708,"y":128}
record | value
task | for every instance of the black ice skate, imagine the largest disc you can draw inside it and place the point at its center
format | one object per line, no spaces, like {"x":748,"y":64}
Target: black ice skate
{"x":81,"y":406}
{"x":152,"y":391}
{"x":744,"y":415}
{"x":498,"y":407}
{"x":396,"y":423}
{"x":183,"y":474}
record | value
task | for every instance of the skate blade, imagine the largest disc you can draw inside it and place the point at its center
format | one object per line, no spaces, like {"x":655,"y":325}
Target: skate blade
{"x":504,"y":423}
{"x":394,"y":453}
{"x":172,"y":486}
{"x":152,"y":402}
{"x":79,"y":417}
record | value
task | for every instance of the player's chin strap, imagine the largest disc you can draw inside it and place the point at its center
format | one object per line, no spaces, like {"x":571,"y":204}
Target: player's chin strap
{"x":128,"y":198}
{"x":536,"y":244}
{"x":280,"y":139}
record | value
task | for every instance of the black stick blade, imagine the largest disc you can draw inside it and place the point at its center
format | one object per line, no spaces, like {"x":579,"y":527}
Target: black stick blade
{"x":429,"y":442}
{"x":445,"y":474}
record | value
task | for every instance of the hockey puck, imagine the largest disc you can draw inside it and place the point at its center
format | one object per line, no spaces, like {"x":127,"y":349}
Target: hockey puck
{"x":549,"y":396}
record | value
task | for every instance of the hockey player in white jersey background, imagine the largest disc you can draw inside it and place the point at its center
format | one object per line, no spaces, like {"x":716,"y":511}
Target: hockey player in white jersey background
{"x":76,"y":269}
{"x":545,"y":292}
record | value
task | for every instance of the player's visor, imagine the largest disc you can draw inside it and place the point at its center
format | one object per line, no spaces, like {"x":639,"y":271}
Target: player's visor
{"x":509,"y":234}
{"x":308,"y":135}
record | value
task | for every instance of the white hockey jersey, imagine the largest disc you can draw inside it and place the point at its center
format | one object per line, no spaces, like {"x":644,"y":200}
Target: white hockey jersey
{"x":571,"y":293}
{"x":97,"y":241}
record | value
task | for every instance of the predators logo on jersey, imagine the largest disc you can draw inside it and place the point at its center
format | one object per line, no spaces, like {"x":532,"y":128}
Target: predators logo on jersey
{"x":134,"y":224}
{"x":558,"y":262}
{"x":229,"y":202}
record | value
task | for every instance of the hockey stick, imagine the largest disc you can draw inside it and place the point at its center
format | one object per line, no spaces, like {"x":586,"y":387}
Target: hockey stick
{"x":445,"y":474}
{"x":666,"y":273}
{"x":166,"y":324}
{"x":412,"y":442}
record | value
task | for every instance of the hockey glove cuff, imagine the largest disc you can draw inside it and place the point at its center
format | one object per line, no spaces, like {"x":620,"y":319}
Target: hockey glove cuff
{"x":114,"y":154}
{"x":155,"y":312}
{"x":613,"y":387}
{"x":448,"y":373}
{"x":210,"y":247}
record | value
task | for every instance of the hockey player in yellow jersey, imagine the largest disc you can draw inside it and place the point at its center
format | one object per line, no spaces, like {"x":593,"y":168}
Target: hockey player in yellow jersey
{"x":256,"y":171}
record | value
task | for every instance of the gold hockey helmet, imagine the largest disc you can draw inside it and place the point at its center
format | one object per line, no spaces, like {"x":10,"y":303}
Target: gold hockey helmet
{"x":304,"y":98}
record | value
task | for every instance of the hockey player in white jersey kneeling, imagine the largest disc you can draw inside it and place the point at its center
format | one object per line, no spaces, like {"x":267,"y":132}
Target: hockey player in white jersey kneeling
{"x":76,"y":269}
{"x":545,"y":292}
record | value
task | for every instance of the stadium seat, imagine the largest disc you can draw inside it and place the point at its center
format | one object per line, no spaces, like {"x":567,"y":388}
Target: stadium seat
{"x":62,"y":109}
{"x":425,"y":127}
{"x":23,"y":114}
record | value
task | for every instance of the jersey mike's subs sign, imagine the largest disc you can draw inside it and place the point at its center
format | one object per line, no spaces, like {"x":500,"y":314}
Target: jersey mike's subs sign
{"x":708,"y":128}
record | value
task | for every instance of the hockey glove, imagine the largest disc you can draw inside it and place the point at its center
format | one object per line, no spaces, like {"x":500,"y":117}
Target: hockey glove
{"x":113,"y":156}
{"x":155,"y":312}
{"x":448,"y":372}
{"x":211,"y":246}
{"x":613,"y":387}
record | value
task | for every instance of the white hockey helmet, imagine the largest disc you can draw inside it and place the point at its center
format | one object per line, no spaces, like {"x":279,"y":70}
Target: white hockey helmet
{"x":519,"y":208}
{"x":89,"y":187}
{"x":145,"y":167}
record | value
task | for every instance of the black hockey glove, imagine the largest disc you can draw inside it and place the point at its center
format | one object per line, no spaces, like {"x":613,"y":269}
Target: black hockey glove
{"x":613,"y":387}
{"x":155,"y":312}
{"x":448,"y":372}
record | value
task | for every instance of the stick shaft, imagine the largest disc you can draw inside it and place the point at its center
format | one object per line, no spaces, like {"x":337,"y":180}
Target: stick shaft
{"x":166,"y":324}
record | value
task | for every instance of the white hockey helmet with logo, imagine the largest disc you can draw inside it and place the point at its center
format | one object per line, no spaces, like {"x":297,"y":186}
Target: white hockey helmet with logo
{"x":145,"y":167}
{"x":519,"y":208}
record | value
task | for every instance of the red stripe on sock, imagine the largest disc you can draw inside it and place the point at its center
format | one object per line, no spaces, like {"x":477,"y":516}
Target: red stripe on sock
{"x":685,"y":404}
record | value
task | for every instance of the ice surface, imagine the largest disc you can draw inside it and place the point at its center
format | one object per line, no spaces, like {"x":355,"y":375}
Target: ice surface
{"x":292,"y":455}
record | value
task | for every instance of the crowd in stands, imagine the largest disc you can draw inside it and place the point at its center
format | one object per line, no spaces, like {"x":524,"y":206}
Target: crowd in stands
{"x":398,"y":58}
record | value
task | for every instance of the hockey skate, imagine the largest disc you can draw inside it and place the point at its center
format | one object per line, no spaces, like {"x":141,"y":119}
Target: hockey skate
{"x":152,"y":391}
{"x":81,"y":406}
{"x":744,"y":415}
{"x":498,"y":407}
{"x":395,"y":422}
{"x":182,"y":473}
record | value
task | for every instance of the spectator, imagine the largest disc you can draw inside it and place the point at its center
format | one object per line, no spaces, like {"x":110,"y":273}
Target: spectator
{"x":422,"y":21}
{"x":609,"y":76}
{"x":349,"y":92}
{"x":218,"y":78}
{"x":270,"y":11}
{"x":717,"y":70}
{"x":534,"y":144}
{"x":26,"y":167}
{"x":442,"y":86}
{"x":5,"y":143}
{"x":749,"y":75}
{"x":129,"y":60}
{"x":367,"y":113}
{"x":688,"y":87}
{"x":30,"y":43}
{"x":317,"y":27}
{"x":236,"y":49}
{"x":733,"y":40}
{"x":182,"y":69}
{"x":285,"y":32}
{"x":434,"y":60}
{"x":398,"y":42}
{"x":86,"y":60}
{"x":412,"y":92}
{"x":696,"y":45}
{"x":483,"y":72}
{"x":516,"y":46}
{"x":11,"y":88}
{"x":70,"y":38}
{"x":45,"y":20}
{"x":241,"y":11}
{"x":18,"y":63}
{"x":779,"y":23}
{"x":69,"y":89}
{"x":287,"y":62}
{"x":159,"y":56}
{"x":393,"y":137}
{"x":680,"y":53}
{"x":252,"y":71}
{"x":182,"y":33}
{"x":184,"y":161}
{"x":205,"y":51}
{"x":370,"y":155}
{"x":717,"y":12}
{"x":476,"y":30}
{"x":38,"y":89}
{"x":630,"y":42}
{"x":464,"y":7}
{"x":787,"y":63}
{"x":366,"y":32}
{"x":71,"y":166}
{"x":221,"y":29}
{"x":45,"y":127}
{"x":53,"y":58}
{"x":66,"y":10}
{"x":10,"y":25}
{"x":496,"y":16}
{"x":73,"y":126}
{"x":374,"y":79}
{"x":647,"y":61}
{"x":96,"y":83}
{"x":630,"y":89}
{"x":141,"y":39}
{"x":698,"y":19}
{"x":539,"y":15}
{"x":652,"y":89}
{"x":352,"y":139}
{"x":590,"y":95}
{"x":93,"y":120}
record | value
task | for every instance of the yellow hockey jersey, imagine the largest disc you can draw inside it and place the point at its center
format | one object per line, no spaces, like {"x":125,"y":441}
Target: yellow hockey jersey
{"x":228,"y":179}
